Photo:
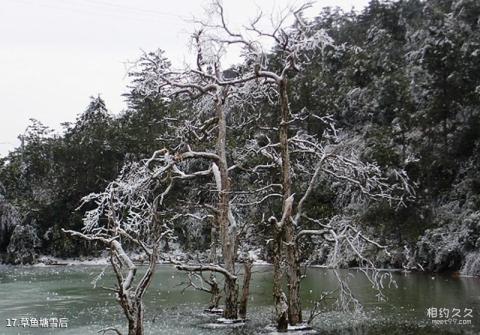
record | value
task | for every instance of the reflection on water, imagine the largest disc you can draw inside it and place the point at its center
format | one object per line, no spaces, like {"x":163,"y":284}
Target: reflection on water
{"x":67,"y":292}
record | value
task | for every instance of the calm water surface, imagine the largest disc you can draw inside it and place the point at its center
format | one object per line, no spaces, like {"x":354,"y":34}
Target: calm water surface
{"x":67,"y":292}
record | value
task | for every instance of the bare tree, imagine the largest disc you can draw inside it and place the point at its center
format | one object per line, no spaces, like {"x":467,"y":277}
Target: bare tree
{"x":332,"y":155}
{"x":293,"y":46}
{"x":127,"y":213}
{"x":290,"y":45}
{"x":206,"y":87}
{"x":208,"y":93}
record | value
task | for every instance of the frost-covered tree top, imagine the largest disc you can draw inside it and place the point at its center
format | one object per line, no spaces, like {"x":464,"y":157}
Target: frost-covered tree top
{"x":129,"y":204}
{"x":96,"y":113}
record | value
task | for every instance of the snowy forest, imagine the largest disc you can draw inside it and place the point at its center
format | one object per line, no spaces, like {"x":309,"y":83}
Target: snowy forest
{"x":350,"y":140}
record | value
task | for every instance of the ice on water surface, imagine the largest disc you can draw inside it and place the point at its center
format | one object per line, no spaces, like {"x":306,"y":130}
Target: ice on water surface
{"x":67,"y":292}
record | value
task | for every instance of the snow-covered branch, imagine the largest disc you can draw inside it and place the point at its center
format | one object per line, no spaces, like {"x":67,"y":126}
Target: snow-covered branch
{"x":206,"y":268}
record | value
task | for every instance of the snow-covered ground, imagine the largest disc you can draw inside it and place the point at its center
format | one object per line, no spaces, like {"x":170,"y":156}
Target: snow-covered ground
{"x":50,"y":260}
{"x":301,"y":329}
{"x":165,"y":258}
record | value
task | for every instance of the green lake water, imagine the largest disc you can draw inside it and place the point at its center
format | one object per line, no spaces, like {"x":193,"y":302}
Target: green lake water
{"x":67,"y":292}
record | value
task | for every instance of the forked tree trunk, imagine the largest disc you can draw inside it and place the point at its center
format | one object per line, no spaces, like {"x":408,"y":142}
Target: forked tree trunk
{"x":131,"y":298}
{"x":135,"y":324}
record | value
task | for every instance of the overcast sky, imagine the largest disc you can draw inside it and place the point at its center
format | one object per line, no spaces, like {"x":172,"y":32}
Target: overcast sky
{"x":55,"y":54}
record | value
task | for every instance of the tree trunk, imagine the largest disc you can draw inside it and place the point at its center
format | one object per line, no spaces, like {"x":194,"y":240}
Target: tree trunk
{"x":215,"y":290}
{"x":293,"y":272}
{"x":231,"y":296}
{"x":215,"y":293}
{"x":213,"y":244}
{"x":166,"y":247}
{"x":247,"y":275}
{"x":133,"y":309}
{"x":226,"y":230}
{"x":132,"y":301}
{"x":135,"y":325}
{"x":293,"y":277}
{"x":281,"y":306}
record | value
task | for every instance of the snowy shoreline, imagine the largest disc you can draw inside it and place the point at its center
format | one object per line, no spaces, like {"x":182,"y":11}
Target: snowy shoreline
{"x":45,"y":261}
{"x":137,"y":259}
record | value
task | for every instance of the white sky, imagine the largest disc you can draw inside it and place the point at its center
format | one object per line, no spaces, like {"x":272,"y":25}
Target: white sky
{"x":55,"y":54}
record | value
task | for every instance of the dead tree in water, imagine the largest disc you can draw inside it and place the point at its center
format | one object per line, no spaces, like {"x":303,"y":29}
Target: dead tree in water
{"x":128,"y":212}
{"x":313,"y":157}
{"x":205,"y":89}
